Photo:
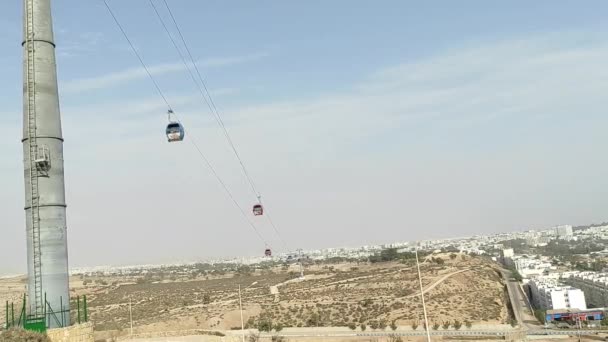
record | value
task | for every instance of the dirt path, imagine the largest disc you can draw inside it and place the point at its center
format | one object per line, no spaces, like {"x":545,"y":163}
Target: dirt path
{"x":441,"y":280}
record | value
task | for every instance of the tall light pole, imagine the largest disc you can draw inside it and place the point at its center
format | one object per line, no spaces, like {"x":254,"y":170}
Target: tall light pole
{"x":426,"y":321}
{"x":301,"y":266}
{"x":241,"y":309}
{"x":130,"y":317}
{"x":45,"y":208}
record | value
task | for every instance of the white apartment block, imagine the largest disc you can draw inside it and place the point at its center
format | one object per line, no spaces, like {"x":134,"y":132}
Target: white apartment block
{"x":549,"y":294}
{"x":506,"y":256}
{"x":563,"y":231}
{"x":538,"y":241}
{"x":593,"y":284}
{"x":532,"y":267}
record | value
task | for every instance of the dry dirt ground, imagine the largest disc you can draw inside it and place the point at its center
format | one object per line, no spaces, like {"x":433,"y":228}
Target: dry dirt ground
{"x":11,"y":290}
{"x":463,"y":288}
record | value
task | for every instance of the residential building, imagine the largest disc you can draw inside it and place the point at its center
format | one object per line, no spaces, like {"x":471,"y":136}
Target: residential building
{"x":563,"y":231}
{"x":549,"y":294}
{"x":506,"y":256}
{"x":593,"y":284}
{"x":592,"y":316}
{"x":531,"y":267}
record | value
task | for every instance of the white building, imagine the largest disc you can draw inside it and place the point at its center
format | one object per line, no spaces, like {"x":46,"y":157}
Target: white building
{"x":529,"y":267}
{"x":506,"y":256}
{"x":508,"y":253}
{"x":538,"y":241}
{"x":563,"y":231}
{"x":549,"y":294}
{"x":593,"y":284}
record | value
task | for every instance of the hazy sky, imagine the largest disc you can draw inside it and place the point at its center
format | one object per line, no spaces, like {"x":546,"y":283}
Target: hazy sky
{"x":360,"y":121}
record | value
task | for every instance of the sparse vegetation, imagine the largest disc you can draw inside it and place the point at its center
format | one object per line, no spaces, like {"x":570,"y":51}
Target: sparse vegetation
{"x":540,"y":315}
{"x":373,"y":325}
{"x":394,"y":338}
{"x":353,"y":293}
{"x":515,"y":274}
{"x":206,"y":298}
{"x":20,"y":335}
{"x":253,"y":337}
{"x":394,"y":325}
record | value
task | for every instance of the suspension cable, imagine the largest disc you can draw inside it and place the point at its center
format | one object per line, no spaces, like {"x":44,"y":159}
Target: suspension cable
{"x":211,"y":103}
{"x":162,"y":95}
{"x":203,"y":89}
{"x":141,"y":61}
{"x":181,"y":55}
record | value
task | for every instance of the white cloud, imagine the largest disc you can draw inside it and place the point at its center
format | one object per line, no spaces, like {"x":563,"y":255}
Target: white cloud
{"x":491,"y":137}
{"x":224,"y":91}
{"x":132,"y":74}
{"x":523,"y":78}
{"x":72,"y":45}
{"x":227,"y":61}
{"x":129,"y":111}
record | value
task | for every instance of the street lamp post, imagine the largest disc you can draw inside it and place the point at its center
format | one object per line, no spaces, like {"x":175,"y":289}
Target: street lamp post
{"x":241,"y":309}
{"x":426,"y":321}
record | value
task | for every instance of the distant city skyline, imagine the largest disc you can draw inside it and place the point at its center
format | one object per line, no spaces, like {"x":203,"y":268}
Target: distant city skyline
{"x":360,"y":123}
{"x":424,"y":245}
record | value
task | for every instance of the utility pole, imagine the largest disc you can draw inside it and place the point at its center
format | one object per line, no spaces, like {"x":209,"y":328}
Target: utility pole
{"x":45,"y":208}
{"x":241,"y":308}
{"x":426,"y":321}
{"x":579,"y":326}
{"x":130,"y":317}
{"x":301,"y":266}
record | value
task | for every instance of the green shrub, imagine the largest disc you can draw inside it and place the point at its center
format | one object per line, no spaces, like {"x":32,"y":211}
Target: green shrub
{"x":20,"y":335}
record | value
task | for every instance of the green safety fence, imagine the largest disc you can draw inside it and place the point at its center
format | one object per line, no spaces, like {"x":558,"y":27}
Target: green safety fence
{"x":18,"y":316}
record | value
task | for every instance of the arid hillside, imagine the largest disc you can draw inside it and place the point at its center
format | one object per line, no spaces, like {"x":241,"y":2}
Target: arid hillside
{"x":459,"y":289}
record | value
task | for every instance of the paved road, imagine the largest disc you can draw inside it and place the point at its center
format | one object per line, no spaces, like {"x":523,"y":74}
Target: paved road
{"x":420,"y":332}
{"x":572,"y":332}
{"x":525,"y":318}
{"x":515,"y":299}
{"x":340,"y":332}
{"x":526,"y":313}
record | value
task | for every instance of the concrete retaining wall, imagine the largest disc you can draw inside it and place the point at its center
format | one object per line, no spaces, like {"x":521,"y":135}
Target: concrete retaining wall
{"x":75,"y":333}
